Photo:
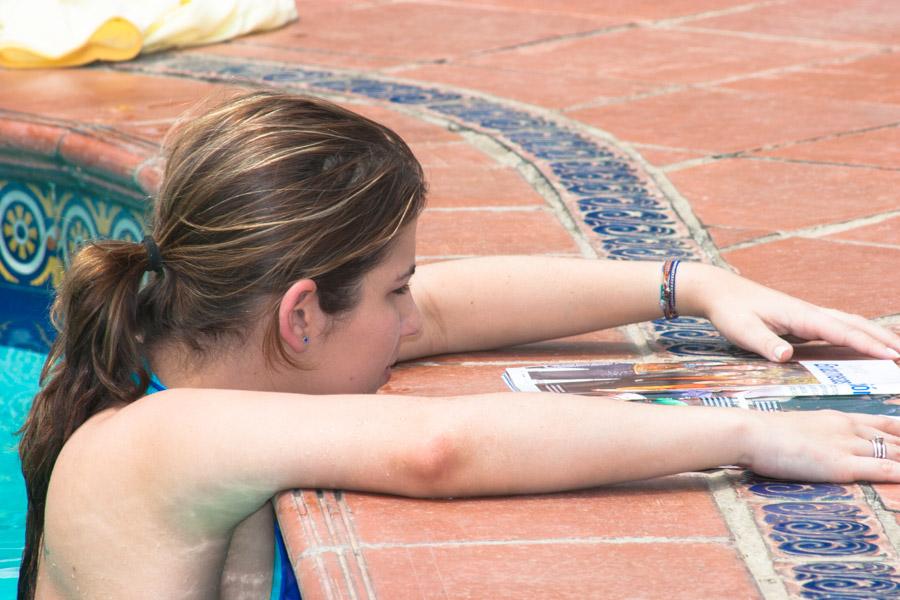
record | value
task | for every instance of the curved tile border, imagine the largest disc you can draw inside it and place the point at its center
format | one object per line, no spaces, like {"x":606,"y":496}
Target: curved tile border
{"x":828,"y":523}
{"x":29,"y":142}
{"x":622,"y":214}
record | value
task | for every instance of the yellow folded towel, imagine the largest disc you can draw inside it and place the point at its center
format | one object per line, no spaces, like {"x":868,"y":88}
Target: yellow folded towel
{"x":63,"y":33}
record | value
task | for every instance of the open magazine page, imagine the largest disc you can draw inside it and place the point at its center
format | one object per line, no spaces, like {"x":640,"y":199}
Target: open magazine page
{"x":733,"y":379}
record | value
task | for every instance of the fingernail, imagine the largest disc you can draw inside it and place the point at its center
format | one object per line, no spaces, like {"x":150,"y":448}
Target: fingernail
{"x":892,"y":353}
{"x":781,"y":352}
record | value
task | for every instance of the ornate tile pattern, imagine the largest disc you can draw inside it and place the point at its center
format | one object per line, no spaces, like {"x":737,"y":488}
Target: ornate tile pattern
{"x":41,"y":223}
{"x":846,"y":580}
{"x":817,"y":533}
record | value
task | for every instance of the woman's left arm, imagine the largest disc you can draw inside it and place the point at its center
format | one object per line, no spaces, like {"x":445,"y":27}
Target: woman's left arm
{"x":483,"y":303}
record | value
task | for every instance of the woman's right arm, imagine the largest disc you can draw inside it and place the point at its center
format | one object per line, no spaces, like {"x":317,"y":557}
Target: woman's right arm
{"x":217,"y":455}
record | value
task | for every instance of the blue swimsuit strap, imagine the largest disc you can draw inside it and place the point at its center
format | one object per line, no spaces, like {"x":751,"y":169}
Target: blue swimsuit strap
{"x":284,"y":582}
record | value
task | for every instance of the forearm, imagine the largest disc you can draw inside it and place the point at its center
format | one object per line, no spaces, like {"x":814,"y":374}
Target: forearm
{"x":230,"y":450}
{"x":490,"y":302}
{"x":569,"y":442}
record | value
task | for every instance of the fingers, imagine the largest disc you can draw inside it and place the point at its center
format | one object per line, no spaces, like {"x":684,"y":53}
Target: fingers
{"x":873,"y":425}
{"x":755,"y":336}
{"x":883,"y":335}
{"x":866,"y":465}
{"x":843,"y":329}
{"x":875,"y":469}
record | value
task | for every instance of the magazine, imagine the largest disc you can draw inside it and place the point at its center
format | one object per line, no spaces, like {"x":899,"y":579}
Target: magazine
{"x":869,"y":385}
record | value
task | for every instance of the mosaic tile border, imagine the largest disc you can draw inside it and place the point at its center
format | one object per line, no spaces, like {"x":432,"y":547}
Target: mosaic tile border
{"x":819,"y":534}
{"x":41,"y":223}
{"x":621,"y":211}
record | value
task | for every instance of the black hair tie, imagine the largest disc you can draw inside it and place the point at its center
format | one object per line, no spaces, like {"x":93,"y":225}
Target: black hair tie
{"x":154,"y":258}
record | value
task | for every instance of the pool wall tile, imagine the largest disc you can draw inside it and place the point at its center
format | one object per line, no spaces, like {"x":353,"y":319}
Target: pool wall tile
{"x":325,"y":554}
{"x":101,"y":156}
{"x":21,"y":134}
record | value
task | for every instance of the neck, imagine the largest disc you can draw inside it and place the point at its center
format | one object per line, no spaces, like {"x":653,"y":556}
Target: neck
{"x":233,"y":368}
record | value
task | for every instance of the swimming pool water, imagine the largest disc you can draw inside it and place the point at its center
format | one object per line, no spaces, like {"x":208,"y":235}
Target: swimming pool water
{"x":19,"y":372}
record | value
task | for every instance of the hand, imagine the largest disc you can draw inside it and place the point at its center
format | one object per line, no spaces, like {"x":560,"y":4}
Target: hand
{"x":824,"y":446}
{"x":755,"y":317}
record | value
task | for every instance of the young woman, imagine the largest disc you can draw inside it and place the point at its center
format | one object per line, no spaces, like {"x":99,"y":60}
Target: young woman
{"x":233,"y":353}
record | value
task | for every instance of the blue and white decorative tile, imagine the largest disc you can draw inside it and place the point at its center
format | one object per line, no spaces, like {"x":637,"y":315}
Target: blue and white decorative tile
{"x":827,"y":530}
{"x":41,"y":224}
{"x":753,"y":488}
{"x":842,"y":580}
{"x":804,"y":521}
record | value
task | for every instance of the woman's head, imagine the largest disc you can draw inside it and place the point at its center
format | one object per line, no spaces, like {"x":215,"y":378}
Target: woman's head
{"x":262,"y":191}
{"x":262,"y":195}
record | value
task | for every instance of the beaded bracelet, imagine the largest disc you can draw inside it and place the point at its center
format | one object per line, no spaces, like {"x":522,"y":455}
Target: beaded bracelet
{"x":667,"y":288}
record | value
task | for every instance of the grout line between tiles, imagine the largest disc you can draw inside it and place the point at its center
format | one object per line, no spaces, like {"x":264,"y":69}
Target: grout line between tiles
{"x":748,"y":540}
{"x":887,"y":518}
{"x":354,"y":544}
{"x":722,"y":12}
{"x":824,"y":163}
{"x":774,"y":37}
{"x":341,"y":556}
{"x":310,"y":524}
{"x":633,"y":23}
{"x":858,"y":243}
{"x":818,"y":231}
{"x":713,"y":85}
{"x":583,"y":541}
{"x":745,"y":153}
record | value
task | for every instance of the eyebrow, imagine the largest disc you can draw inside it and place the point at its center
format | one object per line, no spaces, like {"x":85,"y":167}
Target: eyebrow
{"x":409,"y":273}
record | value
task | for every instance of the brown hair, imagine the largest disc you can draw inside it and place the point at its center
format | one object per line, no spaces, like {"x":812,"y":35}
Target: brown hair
{"x":258,"y":192}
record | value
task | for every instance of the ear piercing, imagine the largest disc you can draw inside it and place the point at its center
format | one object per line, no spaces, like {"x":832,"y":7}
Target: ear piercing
{"x":305,"y":339}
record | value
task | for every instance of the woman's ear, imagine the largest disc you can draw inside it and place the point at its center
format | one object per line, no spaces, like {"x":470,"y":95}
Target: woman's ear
{"x":299,"y":314}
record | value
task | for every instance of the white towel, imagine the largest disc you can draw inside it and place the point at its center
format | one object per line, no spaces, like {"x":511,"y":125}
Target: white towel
{"x":54,"y":33}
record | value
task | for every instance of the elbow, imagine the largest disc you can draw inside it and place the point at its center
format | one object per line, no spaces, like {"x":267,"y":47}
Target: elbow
{"x":434,"y":468}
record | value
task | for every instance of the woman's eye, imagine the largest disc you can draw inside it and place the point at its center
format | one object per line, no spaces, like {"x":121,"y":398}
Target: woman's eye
{"x":402,"y":290}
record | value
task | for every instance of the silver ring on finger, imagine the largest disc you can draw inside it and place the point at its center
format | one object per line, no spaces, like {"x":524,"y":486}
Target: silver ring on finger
{"x":879,"y":449}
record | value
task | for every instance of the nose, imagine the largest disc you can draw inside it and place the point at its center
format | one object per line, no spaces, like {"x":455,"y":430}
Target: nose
{"x":411,"y":323}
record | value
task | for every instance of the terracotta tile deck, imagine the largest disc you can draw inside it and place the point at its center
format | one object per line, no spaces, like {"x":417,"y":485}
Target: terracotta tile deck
{"x":777,"y":124}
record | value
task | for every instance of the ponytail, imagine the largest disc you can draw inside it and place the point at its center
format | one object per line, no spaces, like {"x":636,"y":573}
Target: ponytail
{"x":96,"y":362}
